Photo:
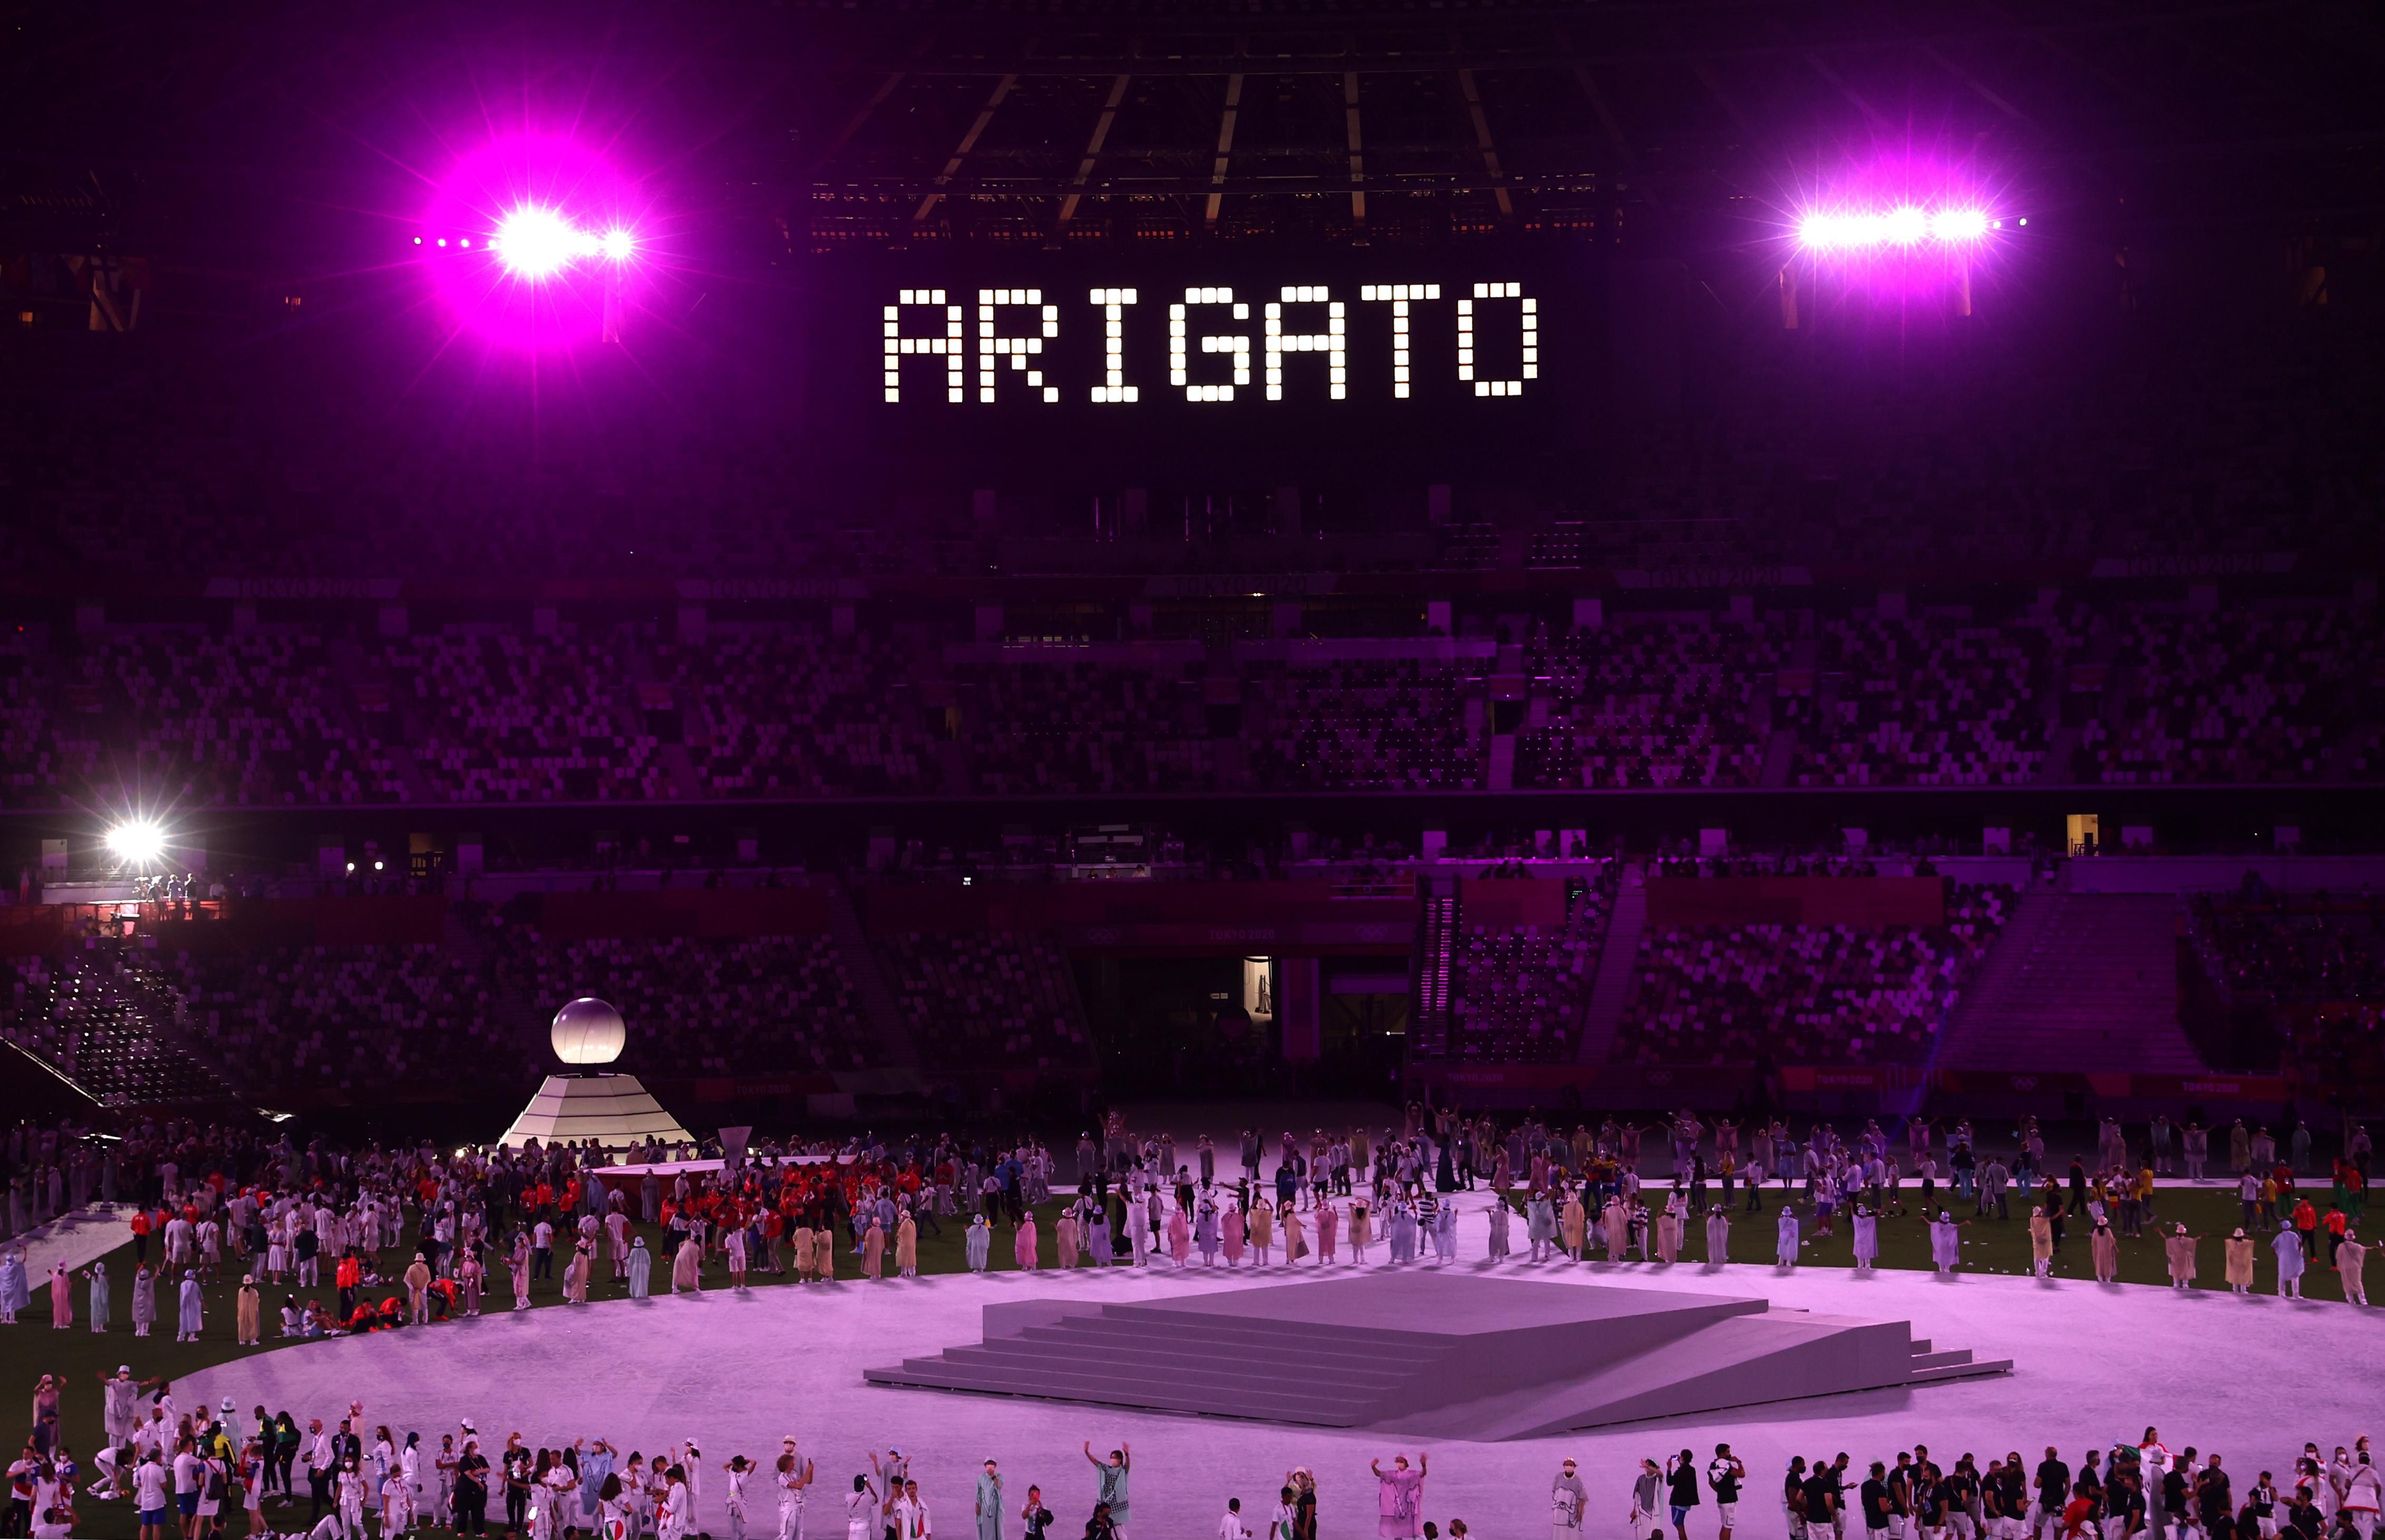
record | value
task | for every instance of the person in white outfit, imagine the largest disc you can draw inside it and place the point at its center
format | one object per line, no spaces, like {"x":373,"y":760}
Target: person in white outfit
{"x":2287,"y":1243}
{"x":794,"y":1478}
{"x":2364,"y":1494}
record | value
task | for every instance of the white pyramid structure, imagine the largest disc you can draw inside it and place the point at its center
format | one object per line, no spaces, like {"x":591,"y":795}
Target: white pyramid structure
{"x":588,"y":1103}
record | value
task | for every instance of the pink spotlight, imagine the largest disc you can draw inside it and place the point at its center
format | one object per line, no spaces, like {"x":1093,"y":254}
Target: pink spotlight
{"x":571,"y":241}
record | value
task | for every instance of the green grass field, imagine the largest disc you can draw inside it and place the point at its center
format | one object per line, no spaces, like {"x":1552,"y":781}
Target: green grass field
{"x":80,"y":1356}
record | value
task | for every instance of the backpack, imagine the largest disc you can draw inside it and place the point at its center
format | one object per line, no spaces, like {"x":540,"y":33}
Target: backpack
{"x":214,"y":1484}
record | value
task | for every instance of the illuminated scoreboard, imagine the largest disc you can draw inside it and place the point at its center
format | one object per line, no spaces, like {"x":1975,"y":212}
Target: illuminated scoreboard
{"x":945,"y":345}
{"x":1236,"y":364}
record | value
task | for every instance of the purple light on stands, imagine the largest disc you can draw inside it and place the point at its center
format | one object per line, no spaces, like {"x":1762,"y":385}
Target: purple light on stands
{"x":554,"y":244}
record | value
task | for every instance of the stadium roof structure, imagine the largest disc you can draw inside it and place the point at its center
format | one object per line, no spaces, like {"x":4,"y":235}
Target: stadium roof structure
{"x":813,"y":124}
{"x":1363,"y":118}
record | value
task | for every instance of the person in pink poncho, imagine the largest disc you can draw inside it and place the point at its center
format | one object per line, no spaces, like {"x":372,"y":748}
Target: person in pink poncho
{"x":1180,"y":1238}
{"x":1022,"y":1248}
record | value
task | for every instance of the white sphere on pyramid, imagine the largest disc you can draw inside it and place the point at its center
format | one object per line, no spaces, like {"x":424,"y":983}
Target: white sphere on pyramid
{"x":587,"y":1032}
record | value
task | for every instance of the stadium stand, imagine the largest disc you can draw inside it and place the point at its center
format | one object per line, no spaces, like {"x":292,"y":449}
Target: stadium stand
{"x":1393,"y":724}
{"x":493,"y":713}
{"x":2299,"y":948}
{"x":1071,"y":727}
{"x":2254,"y":696}
{"x":1517,"y":992}
{"x":507,"y":717}
{"x":1000,"y":1000}
{"x":1819,"y":994}
{"x":786,"y":712}
{"x":1938,"y":701}
{"x":1651,"y":702}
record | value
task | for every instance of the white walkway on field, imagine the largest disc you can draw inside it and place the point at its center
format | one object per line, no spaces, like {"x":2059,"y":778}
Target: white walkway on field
{"x":2251,"y":1378}
{"x":78,"y":1239}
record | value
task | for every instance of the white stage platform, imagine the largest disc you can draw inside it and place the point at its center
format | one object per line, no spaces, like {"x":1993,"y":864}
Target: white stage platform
{"x":738,"y":1372}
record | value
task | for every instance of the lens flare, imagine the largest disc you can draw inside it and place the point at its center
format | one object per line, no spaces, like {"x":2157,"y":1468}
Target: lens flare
{"x":535,"y":243}
{"x":1959,"y":224}
{"x":571,"y":243}
{"x":1902,"y":224}
{"x":137,"y":842}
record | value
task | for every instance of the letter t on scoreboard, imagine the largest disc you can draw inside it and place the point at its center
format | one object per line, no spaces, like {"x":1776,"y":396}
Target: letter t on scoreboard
{"x":1399,"y":296}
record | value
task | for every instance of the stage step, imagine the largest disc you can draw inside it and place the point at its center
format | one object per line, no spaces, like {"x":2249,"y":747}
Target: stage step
{"x":1961,"y":1371}
{"x":1280,"y":1405}
{"x":1029,"y":1363}
{"x":1255,"y":1379}
{"x":1125,"y":1321}
{"x":1044,"y":1341}
{"x":1952,"y":1358}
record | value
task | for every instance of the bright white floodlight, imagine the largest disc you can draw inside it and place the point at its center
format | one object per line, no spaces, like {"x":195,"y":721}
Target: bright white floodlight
{"x":137,"y":842}
{"x":535,"y":242}
{"x":1905,"y":225}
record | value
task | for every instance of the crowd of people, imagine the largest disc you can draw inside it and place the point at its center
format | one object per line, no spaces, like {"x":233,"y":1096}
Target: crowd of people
{"x":195,"y":1472}
{"x":387,"y":1239}
{"x":406,"y":1236}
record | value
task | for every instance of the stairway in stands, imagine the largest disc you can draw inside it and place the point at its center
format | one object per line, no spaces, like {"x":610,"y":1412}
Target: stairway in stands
{"x":896,"y":1051}
{"x":1436,"y":934}
{"x":2077,"y":982}
{"x":116,"y":1034}
{"x":1499,"y":770}
{"x":1610,"y":987}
